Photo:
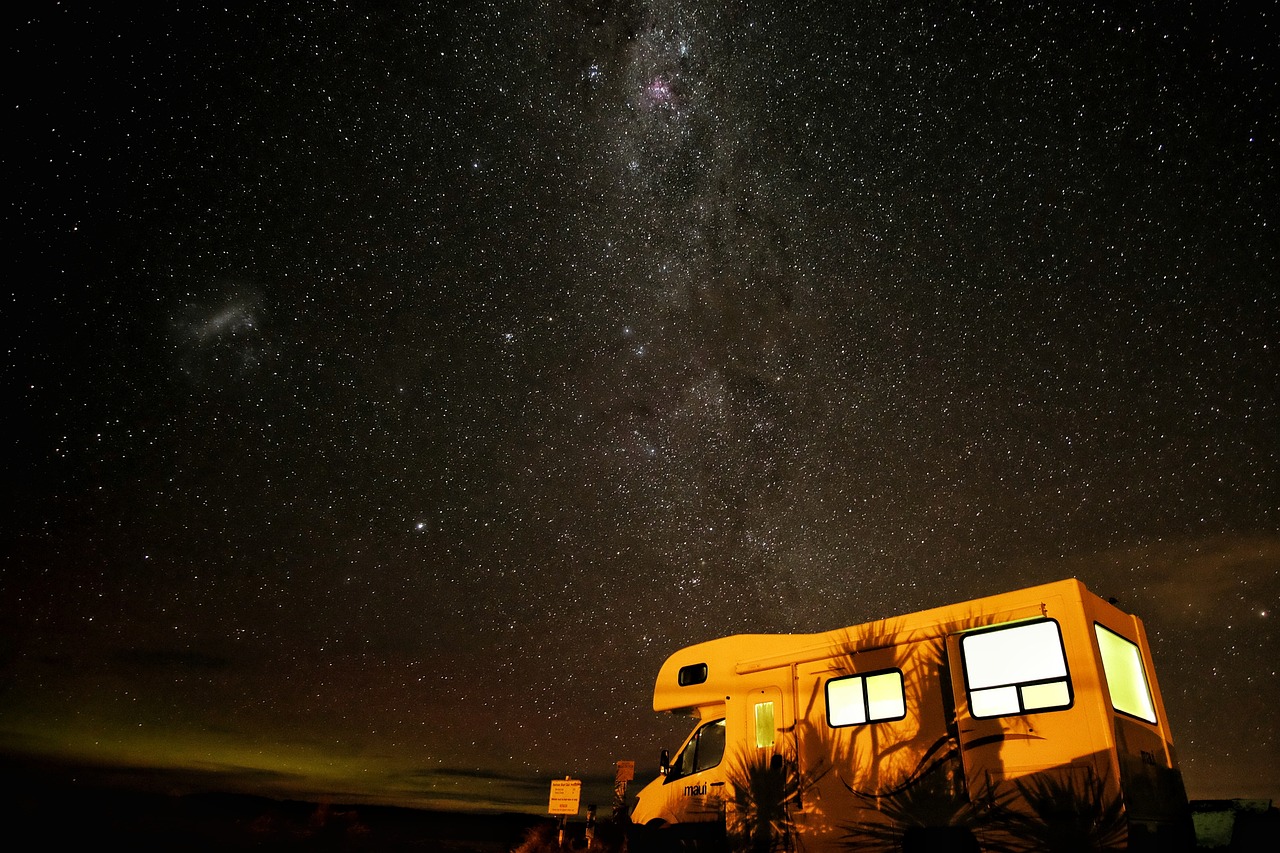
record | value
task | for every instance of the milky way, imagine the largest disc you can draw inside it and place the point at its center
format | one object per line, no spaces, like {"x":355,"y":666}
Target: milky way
{"x":392,"y":390}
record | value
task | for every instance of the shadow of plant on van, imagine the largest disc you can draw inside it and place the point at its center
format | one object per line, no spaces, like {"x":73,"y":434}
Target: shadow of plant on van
{"x":1059,"y":813}
{"x":904,"y":772}
{"x":926,"y":811}
{"x":766,"y":787}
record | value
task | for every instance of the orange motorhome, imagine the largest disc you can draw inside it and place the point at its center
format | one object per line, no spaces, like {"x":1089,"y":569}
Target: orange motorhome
{"x":1020,"y":721}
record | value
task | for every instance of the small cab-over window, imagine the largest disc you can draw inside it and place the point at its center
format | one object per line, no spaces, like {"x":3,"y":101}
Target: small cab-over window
{"x":694,"y":673}
{"x":1015,"y":669}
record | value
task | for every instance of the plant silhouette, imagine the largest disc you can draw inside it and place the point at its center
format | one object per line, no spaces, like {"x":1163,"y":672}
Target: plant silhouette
{"x":927,"y":802}
{"x":1060,"y":813}
{"x":766,"y":786}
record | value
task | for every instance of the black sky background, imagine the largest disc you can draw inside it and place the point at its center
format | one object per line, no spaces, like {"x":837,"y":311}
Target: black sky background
{"x":391,"y":388}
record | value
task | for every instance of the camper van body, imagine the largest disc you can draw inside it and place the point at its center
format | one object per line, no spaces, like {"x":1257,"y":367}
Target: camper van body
{"x":991,"y":724}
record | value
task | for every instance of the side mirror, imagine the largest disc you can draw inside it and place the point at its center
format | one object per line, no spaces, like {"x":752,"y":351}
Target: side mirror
{"x":664,"y":762}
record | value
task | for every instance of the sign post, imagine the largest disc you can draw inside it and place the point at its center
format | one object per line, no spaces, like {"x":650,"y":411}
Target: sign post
{"x":565,"y":796}
{"x":626,"y":772}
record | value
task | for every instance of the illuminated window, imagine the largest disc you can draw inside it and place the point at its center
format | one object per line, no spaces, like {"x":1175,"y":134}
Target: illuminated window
{"x":694,"y":673}
{"x":872,"y":698}
{"x":765,"y":729}
{"x":1016,"y":669}
{"x":1126,"y":679}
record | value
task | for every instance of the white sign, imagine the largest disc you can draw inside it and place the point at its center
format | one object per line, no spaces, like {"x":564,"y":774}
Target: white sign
{"x":565,"y":795}
{"x":626,"y":771}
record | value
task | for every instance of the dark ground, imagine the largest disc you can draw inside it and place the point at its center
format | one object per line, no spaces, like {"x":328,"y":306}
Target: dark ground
{"x":53,"y":810}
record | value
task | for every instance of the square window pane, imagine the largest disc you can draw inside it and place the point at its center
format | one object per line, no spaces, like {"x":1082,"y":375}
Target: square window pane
{"x":1126,"y":679}
{"x":884,"y":696}
{"x":1037,"y":697}
{"x":1019,"y":653}
{"x":844,"y":702}
{"x":994,"y":702}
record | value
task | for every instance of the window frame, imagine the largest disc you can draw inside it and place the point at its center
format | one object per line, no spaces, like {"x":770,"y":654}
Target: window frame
{"x":866,"y":701}
{"x":1017,"y":686}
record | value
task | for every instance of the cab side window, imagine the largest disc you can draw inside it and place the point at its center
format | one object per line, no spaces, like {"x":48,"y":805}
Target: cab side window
{"x":703,"y":752}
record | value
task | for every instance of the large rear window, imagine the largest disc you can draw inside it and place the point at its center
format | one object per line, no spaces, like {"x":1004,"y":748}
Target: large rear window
{"x":1015,"y":669}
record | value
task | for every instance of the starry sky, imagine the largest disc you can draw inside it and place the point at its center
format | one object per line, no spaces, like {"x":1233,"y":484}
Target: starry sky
{"x":390,"y":388}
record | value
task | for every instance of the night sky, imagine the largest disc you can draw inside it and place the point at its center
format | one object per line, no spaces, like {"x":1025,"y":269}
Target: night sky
{"x":389,"y":389}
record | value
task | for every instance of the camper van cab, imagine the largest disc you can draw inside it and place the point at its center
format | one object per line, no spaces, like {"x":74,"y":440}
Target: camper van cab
{"x":1002,"y":723}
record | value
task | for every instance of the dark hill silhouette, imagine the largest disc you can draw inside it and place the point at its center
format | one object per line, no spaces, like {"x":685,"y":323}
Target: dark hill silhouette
{"x":52,"y":808}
